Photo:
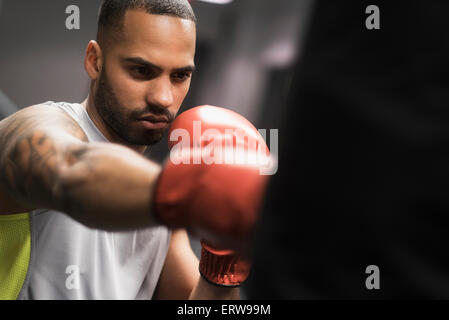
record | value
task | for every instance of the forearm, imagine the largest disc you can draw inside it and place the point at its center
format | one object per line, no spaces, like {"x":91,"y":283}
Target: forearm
{"x":206,"y":291}
{"x":101,"y":185}
{"x":109,"y":187}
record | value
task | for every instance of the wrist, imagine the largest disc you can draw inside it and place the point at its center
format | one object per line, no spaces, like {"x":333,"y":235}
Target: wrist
{"x":204,"y":290}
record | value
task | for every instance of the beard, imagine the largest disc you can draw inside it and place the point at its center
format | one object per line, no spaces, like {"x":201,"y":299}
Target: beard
{"x":120,"y":120}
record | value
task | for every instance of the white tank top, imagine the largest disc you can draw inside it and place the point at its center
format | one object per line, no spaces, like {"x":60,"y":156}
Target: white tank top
{"x":71,"y":261}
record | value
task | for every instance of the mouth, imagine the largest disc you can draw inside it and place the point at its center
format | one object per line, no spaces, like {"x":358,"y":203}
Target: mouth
{"x":154,"y":119}
{"x":153,"y":123}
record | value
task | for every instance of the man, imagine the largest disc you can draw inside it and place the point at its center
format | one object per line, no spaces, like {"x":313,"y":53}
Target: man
{"x":85,"y":160}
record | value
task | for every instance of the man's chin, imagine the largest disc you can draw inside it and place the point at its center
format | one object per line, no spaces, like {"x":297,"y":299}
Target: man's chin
{"x":151,"y":138}
{"x":143,"y":137}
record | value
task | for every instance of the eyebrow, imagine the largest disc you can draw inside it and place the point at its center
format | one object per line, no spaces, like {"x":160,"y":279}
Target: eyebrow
{"x":147,"y":64}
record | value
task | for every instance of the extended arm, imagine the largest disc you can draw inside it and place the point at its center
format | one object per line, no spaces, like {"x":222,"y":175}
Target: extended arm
{"x":46,"y":162}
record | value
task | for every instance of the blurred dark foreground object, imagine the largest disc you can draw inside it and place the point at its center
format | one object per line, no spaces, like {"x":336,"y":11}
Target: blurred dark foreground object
{"x":364,"y":160}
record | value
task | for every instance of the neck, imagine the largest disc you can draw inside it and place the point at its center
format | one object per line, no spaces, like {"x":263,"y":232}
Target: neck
{"x":104,"y":128}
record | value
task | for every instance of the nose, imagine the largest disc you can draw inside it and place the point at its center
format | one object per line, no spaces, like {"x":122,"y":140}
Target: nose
{"x":161,"y":92}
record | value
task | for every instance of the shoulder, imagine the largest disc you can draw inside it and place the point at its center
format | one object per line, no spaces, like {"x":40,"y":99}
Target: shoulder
{"x":47,"y":117}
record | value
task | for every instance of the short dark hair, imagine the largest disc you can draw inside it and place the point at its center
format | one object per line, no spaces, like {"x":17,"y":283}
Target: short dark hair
{"x":112,"y":13}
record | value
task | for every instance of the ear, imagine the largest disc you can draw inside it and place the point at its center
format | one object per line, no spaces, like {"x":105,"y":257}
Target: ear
{"x":93,"y":60}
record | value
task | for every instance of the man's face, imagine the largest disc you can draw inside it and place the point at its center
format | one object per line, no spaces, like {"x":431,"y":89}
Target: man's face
{"x":145,"y":78}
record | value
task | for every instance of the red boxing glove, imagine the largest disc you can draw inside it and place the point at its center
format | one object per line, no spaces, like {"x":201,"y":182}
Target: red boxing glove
{"x":199,"y":189}
{"x":212,"y":185}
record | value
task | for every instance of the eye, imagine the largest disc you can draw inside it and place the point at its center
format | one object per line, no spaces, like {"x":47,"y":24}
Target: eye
{"x":141,"y":71}
{"x":181,"y":76}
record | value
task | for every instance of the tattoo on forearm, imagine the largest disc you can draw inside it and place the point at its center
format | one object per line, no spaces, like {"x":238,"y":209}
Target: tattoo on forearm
{"x":29,"y":157}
